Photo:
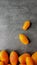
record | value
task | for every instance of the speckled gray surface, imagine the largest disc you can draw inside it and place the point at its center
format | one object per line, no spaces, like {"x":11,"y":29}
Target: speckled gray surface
{"x":13,"y":13}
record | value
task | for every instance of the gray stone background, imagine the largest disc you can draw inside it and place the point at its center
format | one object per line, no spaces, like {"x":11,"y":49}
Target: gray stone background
{"x":13,"y":13}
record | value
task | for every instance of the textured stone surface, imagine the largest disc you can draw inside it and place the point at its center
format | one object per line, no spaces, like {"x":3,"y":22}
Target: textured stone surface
{"x":12,"y":15}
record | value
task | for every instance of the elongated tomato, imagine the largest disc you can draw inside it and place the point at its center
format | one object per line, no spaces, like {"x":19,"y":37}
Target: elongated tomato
{"x":29,"y":61}
{"x":22,"y":58}
{"x":23,"y":38}
{"x":4,"y":56}
{"x":13,"y":58}
{"x":34,"y":57}
{"x":26,"y":25}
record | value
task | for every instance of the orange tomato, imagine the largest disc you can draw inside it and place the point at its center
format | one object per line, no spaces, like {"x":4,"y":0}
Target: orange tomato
{"x":34,"y":57}
{"x":26,"y":25}
{"x":13,"y":58}
{"x":4,"y":57}
{"x":23,"y":38}
{"x":22,"y":58}
{"x":29,"y":61}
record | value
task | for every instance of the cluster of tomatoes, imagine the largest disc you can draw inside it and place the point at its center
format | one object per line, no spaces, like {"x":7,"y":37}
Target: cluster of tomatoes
{"x":13,"y":58}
